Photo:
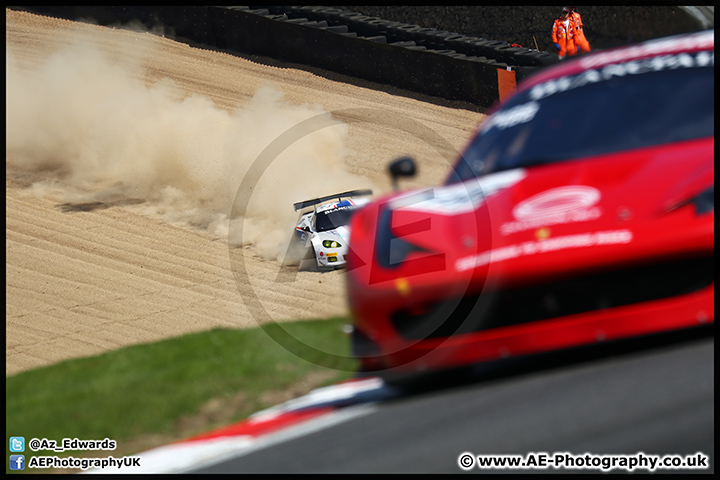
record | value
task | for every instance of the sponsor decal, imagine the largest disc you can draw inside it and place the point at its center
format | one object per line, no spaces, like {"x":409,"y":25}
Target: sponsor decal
{"x":458,"y":198}
{"x":671,"y":45}
{"x":627,"y":65}
{"x":338,"y":208}
{"x":569,"y":204}
{"x":581,"y":240}
{"x":511,"y":117}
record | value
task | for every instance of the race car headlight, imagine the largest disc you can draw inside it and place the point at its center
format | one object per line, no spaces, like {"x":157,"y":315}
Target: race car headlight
{"x":705,"y":202}
{"x":331,"y":244}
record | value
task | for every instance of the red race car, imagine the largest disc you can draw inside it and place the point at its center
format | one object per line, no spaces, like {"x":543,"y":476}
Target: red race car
{"x":582,"y":211}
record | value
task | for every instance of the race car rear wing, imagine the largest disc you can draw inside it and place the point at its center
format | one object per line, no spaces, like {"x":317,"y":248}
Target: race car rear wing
{"x":339,"y":196}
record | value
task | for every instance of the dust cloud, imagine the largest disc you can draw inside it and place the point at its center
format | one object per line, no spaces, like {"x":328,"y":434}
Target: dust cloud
{"x":87,"y":122}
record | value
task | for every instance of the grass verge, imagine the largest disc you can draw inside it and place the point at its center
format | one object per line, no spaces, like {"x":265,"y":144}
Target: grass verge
{"x":148,"y":395}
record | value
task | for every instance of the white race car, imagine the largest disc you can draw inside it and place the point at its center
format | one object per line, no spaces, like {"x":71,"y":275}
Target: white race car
{"x":324,"y":231}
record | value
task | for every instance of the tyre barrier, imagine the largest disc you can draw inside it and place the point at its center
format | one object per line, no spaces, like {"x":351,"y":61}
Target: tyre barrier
{"x":433,"y":62}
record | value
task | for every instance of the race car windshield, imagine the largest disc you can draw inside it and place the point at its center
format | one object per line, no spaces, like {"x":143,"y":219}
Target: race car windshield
{"x":596,"y":112}
{"x":331,"y":219}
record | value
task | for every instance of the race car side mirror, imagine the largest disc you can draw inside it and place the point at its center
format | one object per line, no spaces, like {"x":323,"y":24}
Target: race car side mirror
{"x":402,"y":167}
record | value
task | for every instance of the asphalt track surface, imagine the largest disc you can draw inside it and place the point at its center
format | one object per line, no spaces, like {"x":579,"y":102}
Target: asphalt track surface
{"x":655,"y":398}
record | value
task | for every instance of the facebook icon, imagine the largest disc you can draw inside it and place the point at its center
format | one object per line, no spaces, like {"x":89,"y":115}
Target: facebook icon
{"x":17,"y":462}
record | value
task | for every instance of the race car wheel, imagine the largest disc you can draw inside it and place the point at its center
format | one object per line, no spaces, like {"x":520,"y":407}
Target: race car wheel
{"x":308,"y":262}
{"x":318,"y":266}
{"x":296,"y":252}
